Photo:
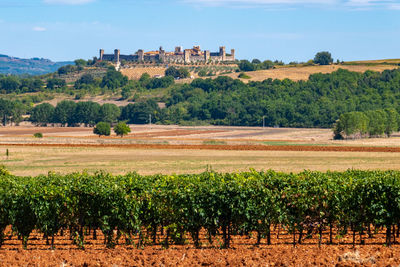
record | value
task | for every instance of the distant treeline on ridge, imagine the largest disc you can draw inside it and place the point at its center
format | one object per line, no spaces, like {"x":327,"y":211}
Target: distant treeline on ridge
{"x":317,"y":102}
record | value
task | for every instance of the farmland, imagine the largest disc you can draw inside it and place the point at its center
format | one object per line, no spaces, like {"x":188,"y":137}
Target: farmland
{"x":295,"y":73}
{"x":270,"y":214}
{"x":155,"y":149}
{"x":178,"y":149}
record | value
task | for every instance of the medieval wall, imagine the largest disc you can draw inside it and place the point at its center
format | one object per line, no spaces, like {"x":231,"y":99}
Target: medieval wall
{"x":186,"y":57}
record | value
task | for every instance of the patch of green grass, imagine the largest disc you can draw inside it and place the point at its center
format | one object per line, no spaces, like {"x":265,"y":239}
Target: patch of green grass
{"x":214,"y":142}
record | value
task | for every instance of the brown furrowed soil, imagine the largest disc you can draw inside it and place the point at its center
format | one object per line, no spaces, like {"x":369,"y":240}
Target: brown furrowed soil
{"x":243,"y":252}
{"x":225,"y":147}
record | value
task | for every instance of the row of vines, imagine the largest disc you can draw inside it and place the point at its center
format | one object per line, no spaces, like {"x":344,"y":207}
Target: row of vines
{"x":137,"y":208}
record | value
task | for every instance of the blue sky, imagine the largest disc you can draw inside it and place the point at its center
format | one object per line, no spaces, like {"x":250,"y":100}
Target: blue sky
{"x":288,"y":30}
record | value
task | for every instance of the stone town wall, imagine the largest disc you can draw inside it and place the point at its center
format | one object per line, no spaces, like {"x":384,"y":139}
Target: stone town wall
{"x":186,"y":57}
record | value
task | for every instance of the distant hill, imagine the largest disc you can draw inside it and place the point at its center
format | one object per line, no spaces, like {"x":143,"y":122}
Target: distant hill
{"x":33,"y":66}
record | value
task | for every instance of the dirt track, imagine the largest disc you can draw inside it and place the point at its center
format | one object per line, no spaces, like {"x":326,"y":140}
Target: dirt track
{"x":223,"y":147}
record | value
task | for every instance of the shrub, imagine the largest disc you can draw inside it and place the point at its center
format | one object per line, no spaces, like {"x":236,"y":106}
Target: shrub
{"x":122,"y":129}
{"x":38,"y":135}
{"x":243,"y":75}
{"x":102,"y":128}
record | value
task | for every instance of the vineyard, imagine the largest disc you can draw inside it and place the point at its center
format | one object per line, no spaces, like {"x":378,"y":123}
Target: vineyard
{"x":139,"y":210}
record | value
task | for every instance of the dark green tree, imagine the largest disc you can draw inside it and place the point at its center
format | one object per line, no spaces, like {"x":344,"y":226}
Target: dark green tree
{"x":114,"y":79}
{"x":55,"y":83}
{"x":64,"y":112}
{"x":42,"y":114}
{"x":87,"y":113}
{"x":109,"y":113}
{"x":323,"y":58}
{"x":102,"y":128}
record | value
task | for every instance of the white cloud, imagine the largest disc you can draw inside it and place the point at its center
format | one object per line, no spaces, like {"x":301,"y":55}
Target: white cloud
{"x":68,"y":2}
{"x":39,"y":29}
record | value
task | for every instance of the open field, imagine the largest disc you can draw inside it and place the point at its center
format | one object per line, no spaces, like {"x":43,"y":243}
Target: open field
{"x":378,"y":61}
{"x":41,"y":160}
{"x":293,"y":73}
{"x":303,"y":73}
{"x":174,"y":149}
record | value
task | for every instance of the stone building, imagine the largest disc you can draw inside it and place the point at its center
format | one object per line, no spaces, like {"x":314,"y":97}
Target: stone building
{"x":194,"y":55}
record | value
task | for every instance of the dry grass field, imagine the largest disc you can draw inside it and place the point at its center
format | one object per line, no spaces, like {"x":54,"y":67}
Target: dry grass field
{"x":136,"y":73}
{"x":303,"y":73}
{"x":293,"y":73}
{"x":41,"y":160}
{"x":379,"y":61}
{"x":175,"y":149}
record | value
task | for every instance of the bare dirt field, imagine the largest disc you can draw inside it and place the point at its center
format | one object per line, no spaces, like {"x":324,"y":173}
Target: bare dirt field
{"x":242,"y":253}
{"x":303,"y":73}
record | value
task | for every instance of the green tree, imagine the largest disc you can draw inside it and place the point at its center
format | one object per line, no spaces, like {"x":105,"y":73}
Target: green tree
{"x":323,"y":58}
{"x":122,"y":129}
{"x":64,"y":112}
{"x":55,"y":83}
{"x":42,"y":114}
{"x":87,"y":113}
{"x":245,"y":65}
{"x":85,"y":80}
{"x":109,"y":113}
{"x":102,"y":128}
{"x":181,"y":73}
{"x":67,"y":69}
{"x":351,"y":124}
{"x":113,"y":79}
{"x":392,"y":121}
{"x":80,"y":62}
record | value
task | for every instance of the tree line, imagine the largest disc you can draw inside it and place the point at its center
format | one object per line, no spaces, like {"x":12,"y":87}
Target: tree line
{"x":177,"y":208}
{"x":317,"y":102}
{"x":372,"y":123}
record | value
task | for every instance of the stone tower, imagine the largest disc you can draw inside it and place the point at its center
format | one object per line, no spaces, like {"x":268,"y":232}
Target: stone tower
{"x":116,"y":55}
{"x":140,"y":54}
{"x":161,"y":55}
{"x":233,"y":54}
{"x":222,"y":53}
{"x":101,"y":54}
{"x":186,"y":55}
{"x":206,"y":56}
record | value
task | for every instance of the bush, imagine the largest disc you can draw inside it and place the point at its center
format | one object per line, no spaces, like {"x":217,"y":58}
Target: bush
{"x":102,"y":128}
{"x":122,"y":129}
{"x":38,"y":135}
{"x":244,"y":76}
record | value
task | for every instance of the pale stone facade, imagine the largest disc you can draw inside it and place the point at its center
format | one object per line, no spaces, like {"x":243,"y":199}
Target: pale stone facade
{"x":194,"y":55}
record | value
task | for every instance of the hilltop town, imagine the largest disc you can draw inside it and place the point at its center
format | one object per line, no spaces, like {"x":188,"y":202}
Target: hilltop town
{"x":180,"y":55}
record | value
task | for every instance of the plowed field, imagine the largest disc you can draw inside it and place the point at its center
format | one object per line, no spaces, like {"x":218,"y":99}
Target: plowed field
{"x":225,"y":147}
{"x":242,"y":253}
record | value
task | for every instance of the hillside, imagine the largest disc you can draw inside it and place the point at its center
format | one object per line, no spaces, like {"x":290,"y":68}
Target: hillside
{"x":33,"y":66}
{"x":295,"y":73}
{"x":303,"y":73}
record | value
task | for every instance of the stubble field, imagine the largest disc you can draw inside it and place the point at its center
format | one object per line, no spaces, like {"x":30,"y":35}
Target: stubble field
{"x":174,"y":149}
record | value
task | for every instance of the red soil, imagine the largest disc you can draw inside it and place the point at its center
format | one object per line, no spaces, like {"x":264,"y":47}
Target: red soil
{"x":225,"y":147}
{"x":242,"y":253}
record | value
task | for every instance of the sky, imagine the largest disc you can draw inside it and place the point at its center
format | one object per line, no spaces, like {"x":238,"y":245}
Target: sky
{"x":288,"y":30}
